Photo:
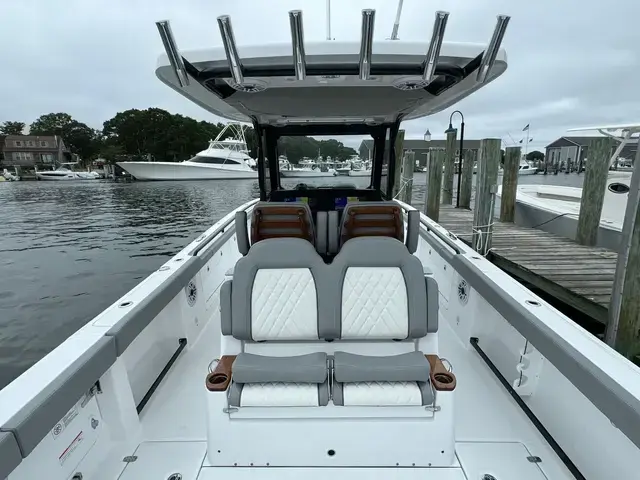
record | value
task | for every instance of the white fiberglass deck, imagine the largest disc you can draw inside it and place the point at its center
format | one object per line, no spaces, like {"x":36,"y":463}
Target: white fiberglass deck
{"x":488,"y":425}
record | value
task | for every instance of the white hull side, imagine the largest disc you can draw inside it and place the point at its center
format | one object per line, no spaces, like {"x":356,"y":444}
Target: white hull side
{"x":69,"y":177}
{"x":306,"y":173}
{"x":555,"y":209}
{"x":184,"y":171}
{"x":360,"y":173}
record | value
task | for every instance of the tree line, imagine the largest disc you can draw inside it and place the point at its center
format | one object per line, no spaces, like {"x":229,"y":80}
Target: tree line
{"x":160,"y":135}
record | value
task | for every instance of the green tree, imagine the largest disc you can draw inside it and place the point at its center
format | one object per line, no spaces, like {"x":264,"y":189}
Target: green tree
{"x":78,"y":137}
{"x":12,"y":128}
{"x":535,"y":155}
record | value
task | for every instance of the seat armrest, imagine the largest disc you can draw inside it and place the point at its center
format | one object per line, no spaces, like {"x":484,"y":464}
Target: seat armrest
{"x":441,"y":379}
{"x":218,"y":380}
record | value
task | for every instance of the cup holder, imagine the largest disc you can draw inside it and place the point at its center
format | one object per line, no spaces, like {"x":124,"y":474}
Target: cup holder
{"x":443,"y":378}
{"x":218,"y":378}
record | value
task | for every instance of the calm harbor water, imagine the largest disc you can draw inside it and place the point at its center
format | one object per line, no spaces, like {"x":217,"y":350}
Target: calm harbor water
{"x":70,"y":249}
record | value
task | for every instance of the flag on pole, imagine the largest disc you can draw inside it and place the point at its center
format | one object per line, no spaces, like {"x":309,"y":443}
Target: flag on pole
{"x":526,"y":128}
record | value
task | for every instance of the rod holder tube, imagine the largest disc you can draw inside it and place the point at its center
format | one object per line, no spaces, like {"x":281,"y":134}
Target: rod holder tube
{"x":366,"y":43}
{"x":396,"y":24}
{"x":230,"y":49}
{"x":175,"y":59}
{"x":489,"y":57}
{"x":297,"y":42}
{"x":439,"y":26}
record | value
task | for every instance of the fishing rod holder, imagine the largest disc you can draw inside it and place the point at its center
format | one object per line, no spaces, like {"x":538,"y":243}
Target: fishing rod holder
{"x":366,"y":44}
{"x":490,"y":54}
{"x":170,"y":46}
{"x":437,"y":36}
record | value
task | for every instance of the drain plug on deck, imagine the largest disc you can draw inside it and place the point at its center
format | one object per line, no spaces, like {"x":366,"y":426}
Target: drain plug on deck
{"x":175,"y":476}
{"x":488,"y":476}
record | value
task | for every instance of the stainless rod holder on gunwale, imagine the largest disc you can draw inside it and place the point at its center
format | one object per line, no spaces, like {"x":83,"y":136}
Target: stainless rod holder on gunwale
{"x":175,"y":59}
{"x":439,"y":26}
{"x":230,"y":49}
{"x":297,"y":42}
{"x":489,"y":57}
{"x":366,"y":43}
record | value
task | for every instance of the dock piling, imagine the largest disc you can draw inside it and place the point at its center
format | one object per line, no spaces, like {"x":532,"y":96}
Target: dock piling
{"x":486,"y":186}
{"x":595,"y":181}
{"x":449,"y":166}
{"x":509,"y":184}
{"x":466,"y":181}
{"x":408,"y":167}
{"x":623,"y":327}
{"x":434,"y":184}
{"x":397,"y":171}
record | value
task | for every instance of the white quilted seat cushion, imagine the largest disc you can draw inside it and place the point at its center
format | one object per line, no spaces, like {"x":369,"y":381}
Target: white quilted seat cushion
{"x":381,"y":394}
{"x":279,"y":395}
{"x":374,"y":303}
{"x":284,"y":305}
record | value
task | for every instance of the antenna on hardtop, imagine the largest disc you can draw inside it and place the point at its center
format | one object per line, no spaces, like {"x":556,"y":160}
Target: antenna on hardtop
{"x":396,"y":24}
{"x":328,"y":19}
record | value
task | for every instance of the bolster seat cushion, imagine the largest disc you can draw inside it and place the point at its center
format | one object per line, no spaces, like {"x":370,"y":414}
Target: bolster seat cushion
{"x":251,"y":368}
{"x":406,"y":367}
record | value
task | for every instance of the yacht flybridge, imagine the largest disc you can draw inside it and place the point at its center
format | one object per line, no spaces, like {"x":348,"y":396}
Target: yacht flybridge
{"x":327,"y":332}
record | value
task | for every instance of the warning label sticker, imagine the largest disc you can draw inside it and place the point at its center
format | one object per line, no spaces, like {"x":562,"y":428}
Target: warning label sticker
{"x":71,"y":448}
{"x":64,"y":423}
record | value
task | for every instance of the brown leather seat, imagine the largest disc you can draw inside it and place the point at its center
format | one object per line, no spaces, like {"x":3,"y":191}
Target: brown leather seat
{"x":381,"y":219}
{"x":282,"y":220}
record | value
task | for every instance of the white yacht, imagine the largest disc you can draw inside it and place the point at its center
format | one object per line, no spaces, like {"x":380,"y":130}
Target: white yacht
{"x":224,"y":159}
{"x":326,"y":332}
{"x":66,"y":172}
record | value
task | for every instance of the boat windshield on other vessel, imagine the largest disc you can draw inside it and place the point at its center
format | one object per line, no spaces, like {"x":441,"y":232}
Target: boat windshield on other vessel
{"x":326,"y":331}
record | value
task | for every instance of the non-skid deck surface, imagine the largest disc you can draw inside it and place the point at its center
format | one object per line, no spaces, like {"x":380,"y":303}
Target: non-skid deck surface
{"x":488,"y":424}
{"x":579,"y":276}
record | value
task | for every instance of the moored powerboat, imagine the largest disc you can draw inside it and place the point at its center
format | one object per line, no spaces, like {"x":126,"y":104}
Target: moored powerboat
{"x":556,"y":208}
{"x":224,"y":159}
{"x":65,"y":172}
{"x":328,"y":331}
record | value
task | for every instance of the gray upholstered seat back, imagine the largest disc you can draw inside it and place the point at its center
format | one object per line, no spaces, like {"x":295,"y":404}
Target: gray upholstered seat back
{"x":381,"y":291}
{"x":277,"y":294}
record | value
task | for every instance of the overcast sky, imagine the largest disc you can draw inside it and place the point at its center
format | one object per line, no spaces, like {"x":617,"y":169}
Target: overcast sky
{"x":571,"y":62}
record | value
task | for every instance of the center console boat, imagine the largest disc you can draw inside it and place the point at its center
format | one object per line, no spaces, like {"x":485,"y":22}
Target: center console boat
{"x":326,"y":331}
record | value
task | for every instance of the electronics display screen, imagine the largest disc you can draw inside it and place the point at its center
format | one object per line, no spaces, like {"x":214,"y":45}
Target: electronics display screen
{"x":341,"y":202}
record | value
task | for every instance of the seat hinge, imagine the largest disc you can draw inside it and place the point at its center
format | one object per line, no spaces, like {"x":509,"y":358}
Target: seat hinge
{"x":433,"y":408}
{"x":230,"y":410}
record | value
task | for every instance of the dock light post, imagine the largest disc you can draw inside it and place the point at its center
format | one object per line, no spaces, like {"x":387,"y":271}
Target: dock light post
{"x":460,"y":154}
{"x":427,"y":138}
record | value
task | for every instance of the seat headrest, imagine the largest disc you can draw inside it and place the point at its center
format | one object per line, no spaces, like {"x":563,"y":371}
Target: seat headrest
{"x":379,"y":219}
{"x":282,"y":220}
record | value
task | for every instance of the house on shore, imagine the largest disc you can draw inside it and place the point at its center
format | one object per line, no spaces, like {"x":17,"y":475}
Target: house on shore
{"x":33,"y":151}
{"x":575,"y":150}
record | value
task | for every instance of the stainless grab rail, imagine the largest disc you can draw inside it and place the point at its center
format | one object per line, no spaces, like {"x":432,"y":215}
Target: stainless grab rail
{"x":441,"y":236}
{"x":226,"y":221}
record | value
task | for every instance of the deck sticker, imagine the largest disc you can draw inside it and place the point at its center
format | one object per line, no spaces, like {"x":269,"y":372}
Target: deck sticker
{"x":64,"y":423}
{"x":71,"y":448}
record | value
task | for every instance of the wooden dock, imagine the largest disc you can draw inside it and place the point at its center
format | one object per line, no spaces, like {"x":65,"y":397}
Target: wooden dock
{"x":578,"y":276}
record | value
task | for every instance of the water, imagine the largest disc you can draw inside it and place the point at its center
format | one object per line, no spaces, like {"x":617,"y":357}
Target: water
{"x":70,"y":249}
